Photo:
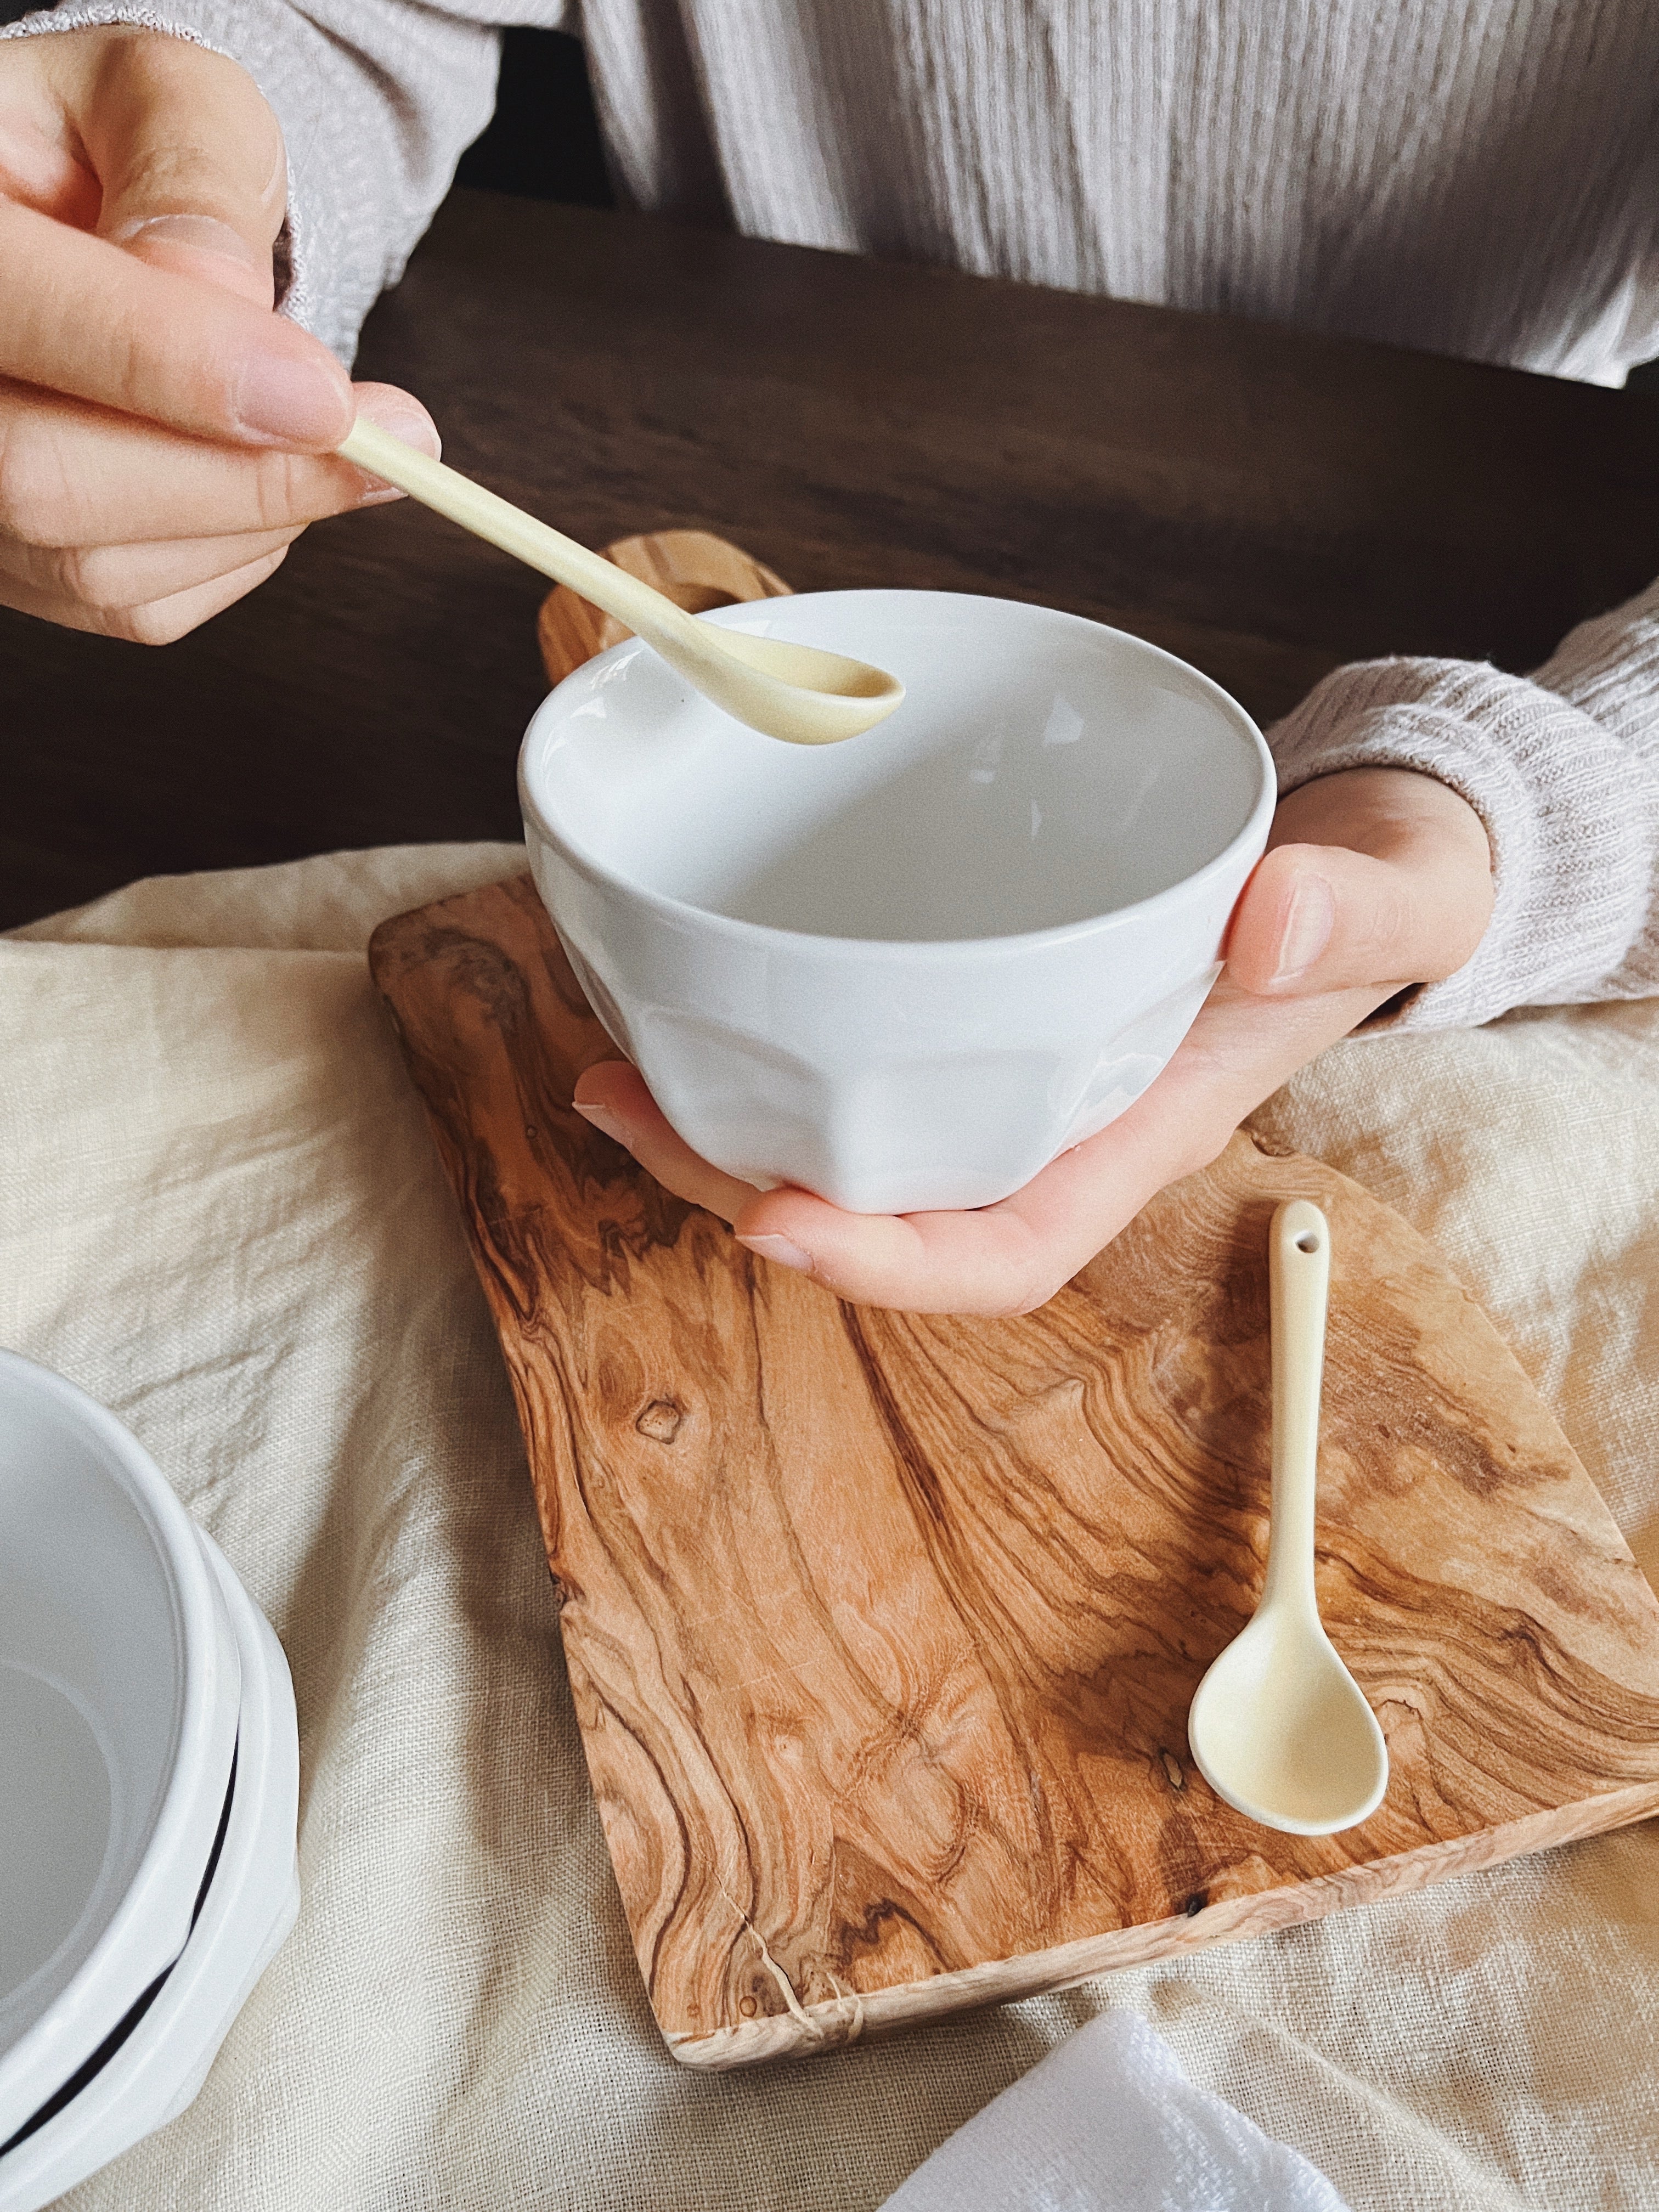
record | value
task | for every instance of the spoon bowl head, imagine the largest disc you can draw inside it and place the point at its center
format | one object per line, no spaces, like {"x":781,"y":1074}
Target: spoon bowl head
{"x":1280,"y":1730}
{"x":799,"y":693}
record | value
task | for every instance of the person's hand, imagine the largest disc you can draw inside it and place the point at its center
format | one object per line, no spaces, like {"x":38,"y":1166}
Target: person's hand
{"x":1374,"y":880}
{"x":163,"y":435}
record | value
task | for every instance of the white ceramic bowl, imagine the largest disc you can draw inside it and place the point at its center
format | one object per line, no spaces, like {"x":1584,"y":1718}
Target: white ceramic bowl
{"x":907,"y":970}
{"x":240,"y":1921}
{"x":120,"y":1685}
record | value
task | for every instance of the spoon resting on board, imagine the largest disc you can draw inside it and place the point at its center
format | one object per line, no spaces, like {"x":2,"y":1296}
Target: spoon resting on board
{"x":1279,"y":1728}
{"x":795,"y":692}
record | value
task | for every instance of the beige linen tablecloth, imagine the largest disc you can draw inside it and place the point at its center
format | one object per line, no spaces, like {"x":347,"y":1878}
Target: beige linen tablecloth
{"x":220,"y":1212}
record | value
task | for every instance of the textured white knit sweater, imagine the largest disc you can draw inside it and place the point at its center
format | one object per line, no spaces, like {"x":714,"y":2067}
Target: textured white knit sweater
{"x":1478,"y":177}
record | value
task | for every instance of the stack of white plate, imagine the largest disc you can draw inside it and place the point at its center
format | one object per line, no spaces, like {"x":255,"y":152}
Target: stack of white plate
{"x":149,"y":1791}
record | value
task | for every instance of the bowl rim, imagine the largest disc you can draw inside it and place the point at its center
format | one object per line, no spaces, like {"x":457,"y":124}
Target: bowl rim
{"x":148,"y":1924}
{"x":941,"y":951}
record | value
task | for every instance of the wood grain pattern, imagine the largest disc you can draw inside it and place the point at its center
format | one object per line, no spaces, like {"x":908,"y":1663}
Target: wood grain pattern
{"x":882,"y":1629}
{"x":693,"y":567}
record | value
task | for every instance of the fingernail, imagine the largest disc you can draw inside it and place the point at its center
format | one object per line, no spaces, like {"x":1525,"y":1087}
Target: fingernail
{"x":408,"y":423}
{"x":290,"y":401}
{"x":780,"y":1250}
{"x":1308,"y":928}
{"x":607,"y":1124}
{"x":204,"y":233}
{"x":415,"y":429}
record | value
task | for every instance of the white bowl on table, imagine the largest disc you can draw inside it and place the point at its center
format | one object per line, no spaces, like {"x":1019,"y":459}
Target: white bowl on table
{"x":909,"y":970}
{"x":147,"y":1823}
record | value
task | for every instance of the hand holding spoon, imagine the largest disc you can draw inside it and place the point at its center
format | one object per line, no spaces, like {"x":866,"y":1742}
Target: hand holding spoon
{"x":1279,"y":1726}
{"x":791,"y":691}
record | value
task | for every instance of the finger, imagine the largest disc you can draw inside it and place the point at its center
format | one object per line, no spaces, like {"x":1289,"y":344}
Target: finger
{"x":163,"y":621}
{"x":1012,"y":1257}
{"x":107,"y":577}
{"x":1007,"y":1258}
{"x":1000,"y":1259}
{"x":400,"y":412}
{"x":83,"y":317}
{"x":191,"y":160}
{"x":1375,"y":875}
{"x":41,"y":158}
{"x":76,"y":475}
{"x":1003,"y":1259}
{"x":612,"y":1096}
{"x":1318,"y":918}
{"x":954,"y":1263}
{"x":985,"y":1263}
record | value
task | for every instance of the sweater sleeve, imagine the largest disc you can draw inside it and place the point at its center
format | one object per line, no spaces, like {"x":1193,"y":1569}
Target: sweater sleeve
{"x":376,"y":101}
{"x":1562,"y":768}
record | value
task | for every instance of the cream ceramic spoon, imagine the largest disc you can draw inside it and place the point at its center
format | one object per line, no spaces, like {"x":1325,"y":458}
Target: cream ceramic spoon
{"x":790,"y":691}
{"x":1279,"y":1726}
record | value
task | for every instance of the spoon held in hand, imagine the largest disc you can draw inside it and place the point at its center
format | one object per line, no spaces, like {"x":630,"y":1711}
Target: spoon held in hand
{"x":795,"y":692}
{"x":1279,"y":1726}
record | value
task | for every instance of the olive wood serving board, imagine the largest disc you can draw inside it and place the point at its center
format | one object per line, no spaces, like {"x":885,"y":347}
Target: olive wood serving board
{"x":882,"y":1628}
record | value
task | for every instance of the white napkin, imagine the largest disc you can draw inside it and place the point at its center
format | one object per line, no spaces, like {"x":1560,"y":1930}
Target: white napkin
{"x":1109,"y":2122}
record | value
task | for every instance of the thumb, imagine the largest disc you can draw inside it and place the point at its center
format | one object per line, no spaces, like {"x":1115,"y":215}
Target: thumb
{"x":1318,"y":918}
{"x":191,"y":160}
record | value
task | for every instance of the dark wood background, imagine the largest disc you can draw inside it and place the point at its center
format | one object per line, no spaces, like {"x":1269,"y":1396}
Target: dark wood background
{"x":1265,"y":501}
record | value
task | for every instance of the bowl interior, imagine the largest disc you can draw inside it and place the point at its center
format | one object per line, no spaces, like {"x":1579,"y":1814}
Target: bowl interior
{"x":92,"y":1690}
{"x":1041,"y":770}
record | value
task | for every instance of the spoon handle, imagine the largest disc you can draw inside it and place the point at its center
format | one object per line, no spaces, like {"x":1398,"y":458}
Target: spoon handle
{"x":1299,"y":1281}
{"x":496,"y":520}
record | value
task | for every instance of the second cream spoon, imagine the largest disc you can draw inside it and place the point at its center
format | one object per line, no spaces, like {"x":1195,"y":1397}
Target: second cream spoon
{"x":1279,"y":1726}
